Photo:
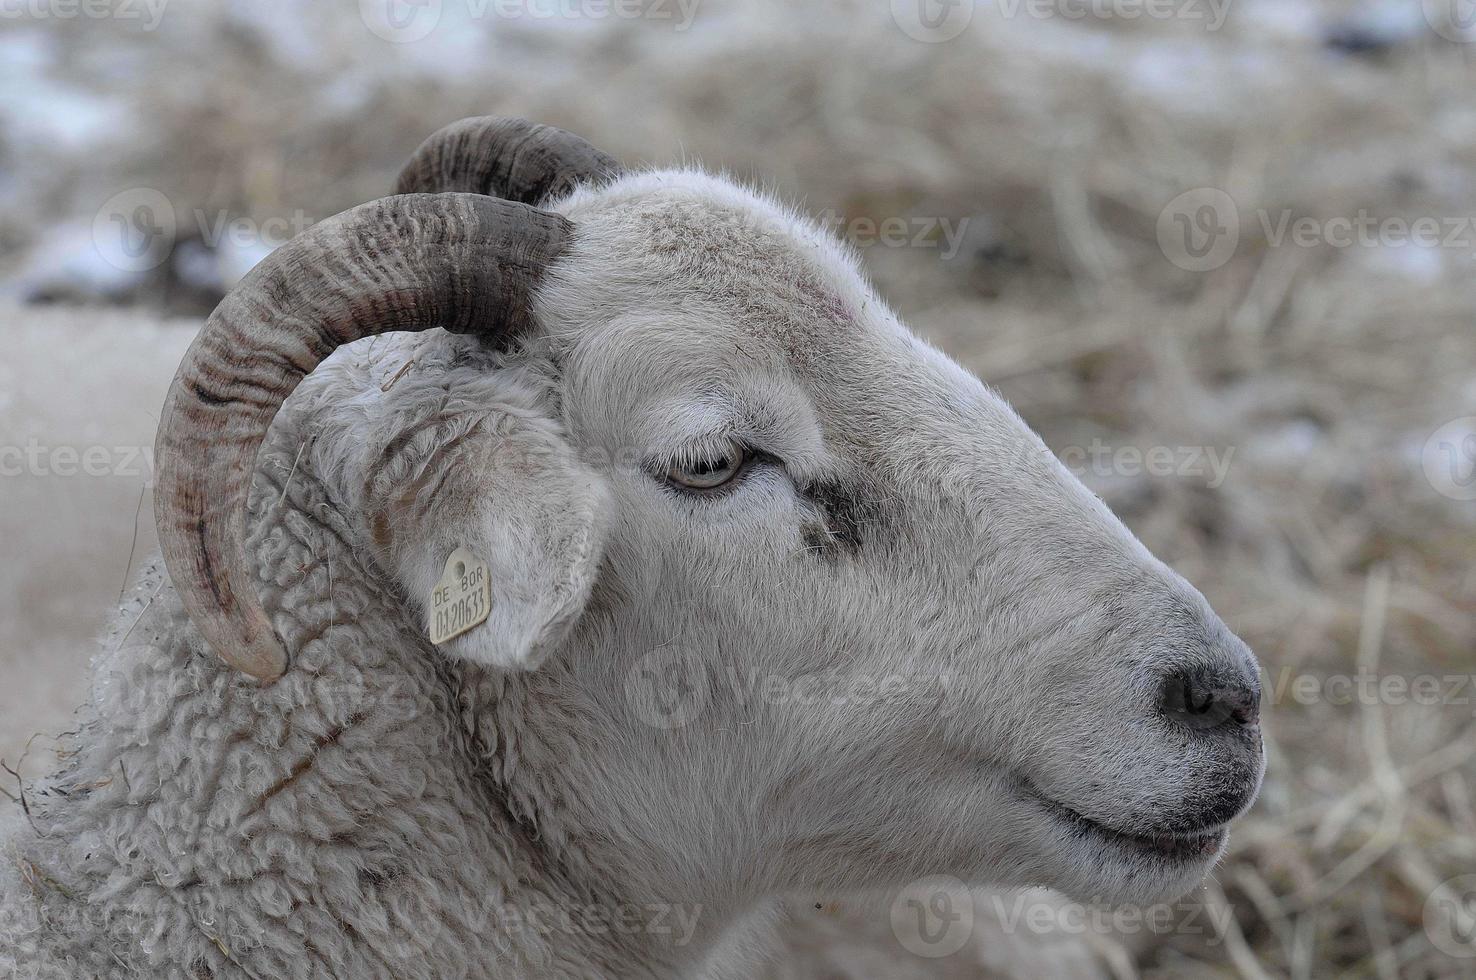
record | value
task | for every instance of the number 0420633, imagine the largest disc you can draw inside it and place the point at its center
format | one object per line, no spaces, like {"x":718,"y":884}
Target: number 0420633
{"x":462,"y":599}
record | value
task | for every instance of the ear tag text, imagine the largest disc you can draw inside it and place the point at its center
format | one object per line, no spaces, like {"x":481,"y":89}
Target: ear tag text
{"x":462,"y":599}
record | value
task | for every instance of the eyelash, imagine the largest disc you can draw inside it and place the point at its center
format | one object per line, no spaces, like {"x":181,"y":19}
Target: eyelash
{"x":751,"y":459}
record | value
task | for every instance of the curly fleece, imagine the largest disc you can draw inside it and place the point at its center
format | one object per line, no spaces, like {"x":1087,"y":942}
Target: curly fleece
{"x":208,"y":827}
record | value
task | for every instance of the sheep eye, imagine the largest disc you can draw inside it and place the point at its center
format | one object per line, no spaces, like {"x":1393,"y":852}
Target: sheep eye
{"x":710,"y":473}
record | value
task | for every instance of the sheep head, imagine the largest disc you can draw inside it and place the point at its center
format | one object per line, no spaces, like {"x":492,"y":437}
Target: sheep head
{"x":785,"y":597}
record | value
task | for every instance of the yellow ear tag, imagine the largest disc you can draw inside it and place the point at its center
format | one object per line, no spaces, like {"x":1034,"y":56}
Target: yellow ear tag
{"x":462,"y":598}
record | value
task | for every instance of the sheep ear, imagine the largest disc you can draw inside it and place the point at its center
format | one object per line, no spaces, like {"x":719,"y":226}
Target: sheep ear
{"x":504,"y":569}
{"x":487,"y":519}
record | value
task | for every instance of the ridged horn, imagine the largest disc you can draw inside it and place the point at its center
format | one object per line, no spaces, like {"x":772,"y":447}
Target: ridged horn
{"x":504,"y":157}
{"x":464,"y":262}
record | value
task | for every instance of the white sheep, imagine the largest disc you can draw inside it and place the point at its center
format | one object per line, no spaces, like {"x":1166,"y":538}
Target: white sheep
{"x":780,"y":600}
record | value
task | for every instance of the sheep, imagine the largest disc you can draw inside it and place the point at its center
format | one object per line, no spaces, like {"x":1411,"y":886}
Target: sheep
{"x":738,"y":590}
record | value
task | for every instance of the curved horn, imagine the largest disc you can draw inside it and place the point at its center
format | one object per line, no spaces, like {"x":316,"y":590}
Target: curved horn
{"x":461,"y":261}
{"x":504,"y":157}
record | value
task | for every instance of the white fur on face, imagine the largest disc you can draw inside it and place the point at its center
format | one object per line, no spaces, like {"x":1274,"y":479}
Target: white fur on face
{"x":902,"y":526}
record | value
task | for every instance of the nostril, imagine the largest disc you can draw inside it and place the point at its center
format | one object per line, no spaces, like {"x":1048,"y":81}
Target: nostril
{"x":1201,"y":699}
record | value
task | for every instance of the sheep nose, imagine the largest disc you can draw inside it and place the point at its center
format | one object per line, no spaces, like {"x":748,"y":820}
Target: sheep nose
{"x":1204,"y":698}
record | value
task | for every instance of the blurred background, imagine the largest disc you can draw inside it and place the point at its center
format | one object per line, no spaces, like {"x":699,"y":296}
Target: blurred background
{"x":1220,"y":253}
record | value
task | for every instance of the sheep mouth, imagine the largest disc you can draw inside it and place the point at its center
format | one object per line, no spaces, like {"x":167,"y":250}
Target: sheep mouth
{"x":1194,"y":846}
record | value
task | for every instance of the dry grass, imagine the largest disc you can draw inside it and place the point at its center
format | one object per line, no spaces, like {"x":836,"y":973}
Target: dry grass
{"x":1320,"y":372}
